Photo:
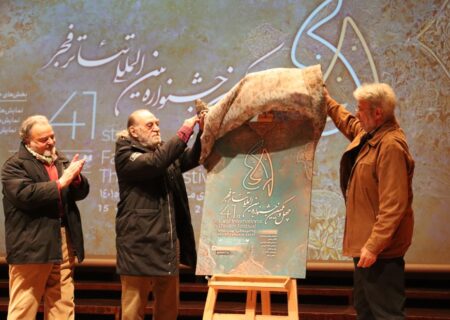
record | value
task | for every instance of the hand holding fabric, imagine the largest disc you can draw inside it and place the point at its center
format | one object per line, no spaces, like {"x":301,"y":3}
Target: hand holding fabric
{"x":191,"y":122}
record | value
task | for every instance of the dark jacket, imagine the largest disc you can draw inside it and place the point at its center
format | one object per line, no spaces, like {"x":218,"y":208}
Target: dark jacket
{"x":32,"y":216}
{"x":153,"y":211}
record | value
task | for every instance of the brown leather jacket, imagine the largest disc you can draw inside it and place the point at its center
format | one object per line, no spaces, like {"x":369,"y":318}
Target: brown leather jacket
{"x":378,"y":187}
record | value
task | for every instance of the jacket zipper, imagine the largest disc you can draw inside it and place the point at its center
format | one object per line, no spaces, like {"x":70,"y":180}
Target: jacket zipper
{"x":170,"y":215}
{"x":358,"y":158}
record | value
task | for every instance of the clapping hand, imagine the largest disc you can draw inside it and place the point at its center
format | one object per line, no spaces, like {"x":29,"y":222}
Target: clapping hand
{"x":72,"y":171}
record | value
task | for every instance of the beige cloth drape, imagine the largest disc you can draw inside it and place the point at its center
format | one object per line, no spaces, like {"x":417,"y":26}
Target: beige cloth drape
{"x":279,"y":89}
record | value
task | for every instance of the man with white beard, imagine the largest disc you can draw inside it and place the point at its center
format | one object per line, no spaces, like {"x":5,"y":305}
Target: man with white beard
{"x":42,"y":223}
{"x":153,"y":222}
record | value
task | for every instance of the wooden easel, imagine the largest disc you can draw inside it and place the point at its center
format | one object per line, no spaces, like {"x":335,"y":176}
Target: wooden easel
{"x":252,"y":284}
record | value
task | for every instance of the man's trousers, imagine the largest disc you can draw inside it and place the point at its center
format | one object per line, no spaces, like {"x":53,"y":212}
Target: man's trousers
{"x":29,"y":283}
{"x":135,"y":291}
{"x":379,"y":291}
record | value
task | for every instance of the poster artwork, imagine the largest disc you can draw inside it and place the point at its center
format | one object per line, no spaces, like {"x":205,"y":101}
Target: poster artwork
{"x":258,"y":149}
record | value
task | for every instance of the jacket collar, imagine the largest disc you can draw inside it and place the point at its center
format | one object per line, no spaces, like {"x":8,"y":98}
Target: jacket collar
{"x":386,"y":127}
{"x":377,"y":135}
{"x":135,"y":144}
{"x":39,"y":172}
{"x":24,"y":154}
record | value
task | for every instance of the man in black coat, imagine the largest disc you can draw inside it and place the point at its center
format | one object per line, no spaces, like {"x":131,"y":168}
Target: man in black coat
{"x":42,"y":223}
{"x":153,"y":223}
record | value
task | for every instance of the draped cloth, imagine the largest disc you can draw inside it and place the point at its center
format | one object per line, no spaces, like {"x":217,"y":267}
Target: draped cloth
{"x":280,"y":89}
{"x":258,"y":147}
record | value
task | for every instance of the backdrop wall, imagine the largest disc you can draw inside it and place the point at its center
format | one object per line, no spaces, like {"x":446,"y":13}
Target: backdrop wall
{"x":87,"y":64}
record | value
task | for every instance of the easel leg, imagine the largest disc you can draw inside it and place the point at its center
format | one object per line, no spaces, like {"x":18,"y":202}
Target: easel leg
{"x":265,"y":303}
{"x":292,"y":299}
{"x":250,"y":306}
{"x":210,"y":304}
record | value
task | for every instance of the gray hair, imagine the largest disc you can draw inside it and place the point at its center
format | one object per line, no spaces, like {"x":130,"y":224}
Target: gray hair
{"x":377,"y":95}
{"x":28,"y":124}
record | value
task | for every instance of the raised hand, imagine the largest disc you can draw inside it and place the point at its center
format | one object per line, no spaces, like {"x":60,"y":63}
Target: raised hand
{"x":191,"y":122}
{"x":72,"y":171}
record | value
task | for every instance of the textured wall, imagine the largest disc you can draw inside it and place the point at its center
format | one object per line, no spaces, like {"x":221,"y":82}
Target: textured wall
{"x":87,"y":64}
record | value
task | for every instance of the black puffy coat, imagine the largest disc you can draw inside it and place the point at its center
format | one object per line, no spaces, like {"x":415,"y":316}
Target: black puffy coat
{"x":153,"y":211}
{"x":32,"y":217}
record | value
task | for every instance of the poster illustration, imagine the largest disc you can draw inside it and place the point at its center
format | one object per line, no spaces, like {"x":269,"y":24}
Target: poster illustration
{"x":86,"y":65}
{"x":258,"y":188}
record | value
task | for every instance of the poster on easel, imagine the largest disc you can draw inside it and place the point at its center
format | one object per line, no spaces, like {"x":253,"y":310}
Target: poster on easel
{"x":258,"y":150}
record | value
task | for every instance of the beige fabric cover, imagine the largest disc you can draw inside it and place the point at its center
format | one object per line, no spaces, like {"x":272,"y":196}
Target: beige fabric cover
{"x":279,"y":89}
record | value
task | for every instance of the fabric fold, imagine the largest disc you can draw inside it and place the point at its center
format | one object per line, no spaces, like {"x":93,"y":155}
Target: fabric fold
{"x":278,"y":89}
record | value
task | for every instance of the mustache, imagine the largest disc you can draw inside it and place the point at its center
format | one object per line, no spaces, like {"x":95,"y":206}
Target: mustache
{"x":148,"y":140}
{"x":49,"y":153}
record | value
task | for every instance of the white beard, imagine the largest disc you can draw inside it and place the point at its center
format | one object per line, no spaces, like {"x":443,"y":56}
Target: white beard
{"x":48,"y":157}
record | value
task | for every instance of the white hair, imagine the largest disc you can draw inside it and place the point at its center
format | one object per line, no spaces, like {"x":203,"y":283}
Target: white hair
{"x":377,"y":95}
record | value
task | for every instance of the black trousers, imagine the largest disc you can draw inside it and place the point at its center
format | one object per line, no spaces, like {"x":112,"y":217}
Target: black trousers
{"x":379,"y":291}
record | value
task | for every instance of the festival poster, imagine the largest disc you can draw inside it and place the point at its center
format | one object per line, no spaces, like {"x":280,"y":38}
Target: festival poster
{"x":257,"y":201}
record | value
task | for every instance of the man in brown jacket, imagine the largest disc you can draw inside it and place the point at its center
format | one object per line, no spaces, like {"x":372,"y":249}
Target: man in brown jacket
{"x":376,"y":176}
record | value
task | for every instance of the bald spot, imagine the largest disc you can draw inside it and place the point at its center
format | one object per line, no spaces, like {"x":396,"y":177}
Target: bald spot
{"x":137,"y":117}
